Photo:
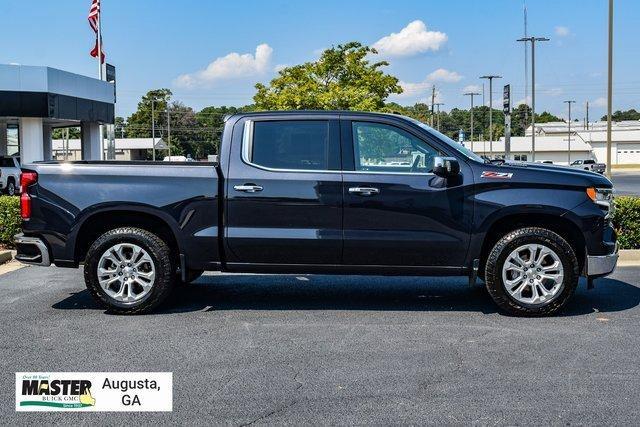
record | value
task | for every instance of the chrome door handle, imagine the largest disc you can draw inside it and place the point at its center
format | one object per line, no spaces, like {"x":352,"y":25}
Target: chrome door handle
{"x":364,"y":191}
{"x":248,"y":188}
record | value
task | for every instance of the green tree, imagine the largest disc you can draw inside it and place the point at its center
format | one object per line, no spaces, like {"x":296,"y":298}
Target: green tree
{"x":546,"y":117}
{"x":342,"y":79}
{"x":139,"y":123}
{"x":619,"y":116}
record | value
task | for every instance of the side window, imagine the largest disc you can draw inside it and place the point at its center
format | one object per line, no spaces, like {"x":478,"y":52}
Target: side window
{"x":384,"y":148}
{"x":292,"y":144}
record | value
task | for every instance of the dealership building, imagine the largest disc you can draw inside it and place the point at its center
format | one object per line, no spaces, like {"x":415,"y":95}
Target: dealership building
{"x":586,"y":142}
{"x":36,"y":100}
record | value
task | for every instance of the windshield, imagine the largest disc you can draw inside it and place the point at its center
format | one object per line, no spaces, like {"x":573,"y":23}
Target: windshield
{"x":453,"y":144}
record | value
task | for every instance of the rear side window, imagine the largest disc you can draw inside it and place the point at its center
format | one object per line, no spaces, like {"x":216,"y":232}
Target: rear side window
{"x":589,"y":162}
{"x":292,"y":144}
{"x":6,"y":162}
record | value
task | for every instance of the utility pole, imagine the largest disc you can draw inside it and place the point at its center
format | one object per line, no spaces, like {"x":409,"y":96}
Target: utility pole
{"x":153,"y":127}
{"x":490,"y":78}
{"x":569,"y":102}
{"x":168,"y":130}
{"x":438,"y":104}
{"x":533,"y":41}
{"x":587,"y":118}
{"x":609,"y":88}
{"x":471,"y":95}
{"x":433,"y":100}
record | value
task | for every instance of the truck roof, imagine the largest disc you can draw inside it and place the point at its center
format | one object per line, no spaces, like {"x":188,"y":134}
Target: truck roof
{"x":315,"y":113}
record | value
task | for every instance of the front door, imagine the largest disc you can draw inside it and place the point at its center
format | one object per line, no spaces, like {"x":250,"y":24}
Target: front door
{"x":396,"y":212}
{"x":284,"y":187}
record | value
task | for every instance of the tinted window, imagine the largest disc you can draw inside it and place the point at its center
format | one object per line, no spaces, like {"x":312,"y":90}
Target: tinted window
{"x":6,"y":162}
{"x":385,"y":148}
{"x":589,"y":162}
{"x":294,"y":144}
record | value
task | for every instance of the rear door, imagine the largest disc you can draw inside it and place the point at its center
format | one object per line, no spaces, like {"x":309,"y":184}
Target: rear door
{"x":284,"y":191}
{"x":396,"y":211}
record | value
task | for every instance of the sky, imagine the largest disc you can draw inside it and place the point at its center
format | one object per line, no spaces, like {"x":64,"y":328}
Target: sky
{"x":213,"y":52}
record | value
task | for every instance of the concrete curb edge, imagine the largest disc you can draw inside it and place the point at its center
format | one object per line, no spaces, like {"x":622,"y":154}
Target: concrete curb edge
{"x":5,"y":256}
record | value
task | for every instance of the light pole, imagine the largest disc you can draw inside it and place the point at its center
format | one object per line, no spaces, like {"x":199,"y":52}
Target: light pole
{"x":490,"y":78}
{"x":153,"y":127}
{"x":533,"y":41}
{"x":471,"y":95}
{"x":609,"y":88}
{"x":569,"y":102}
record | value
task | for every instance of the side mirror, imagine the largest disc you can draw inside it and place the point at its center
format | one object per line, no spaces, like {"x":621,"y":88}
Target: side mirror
{"x":446,"y":167}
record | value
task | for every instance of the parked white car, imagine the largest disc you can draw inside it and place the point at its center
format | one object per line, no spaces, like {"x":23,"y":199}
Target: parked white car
{"x":10,"y":175}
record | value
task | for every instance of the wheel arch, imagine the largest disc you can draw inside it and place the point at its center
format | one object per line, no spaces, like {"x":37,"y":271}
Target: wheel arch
{"x":559,"y":224}
{"x":101,"y":220}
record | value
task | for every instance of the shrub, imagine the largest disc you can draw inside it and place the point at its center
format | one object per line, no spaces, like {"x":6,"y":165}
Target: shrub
{"x":626,"y":221}
{"x":10,"y":221}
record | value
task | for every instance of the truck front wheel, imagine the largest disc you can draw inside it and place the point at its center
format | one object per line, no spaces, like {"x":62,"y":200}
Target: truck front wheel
{"x":531,"y":272}
{"x":129,"y":270}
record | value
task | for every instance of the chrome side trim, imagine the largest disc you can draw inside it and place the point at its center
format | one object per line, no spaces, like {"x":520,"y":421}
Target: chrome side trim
{"x":44,"y":261}
{"x":602,"y":265}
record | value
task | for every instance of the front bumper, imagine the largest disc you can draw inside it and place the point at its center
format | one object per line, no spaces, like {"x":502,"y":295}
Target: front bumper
{"x":31,"y":250}
{"x":602,"y":265}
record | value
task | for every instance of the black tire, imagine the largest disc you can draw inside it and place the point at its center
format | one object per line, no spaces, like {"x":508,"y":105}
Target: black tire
{"x":510,"y":242}
{"x":157,"y":250}
{"x":11,"y":188}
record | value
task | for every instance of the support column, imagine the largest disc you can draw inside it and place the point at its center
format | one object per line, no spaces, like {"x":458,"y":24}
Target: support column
{"x":31,"y":136}
{"x":4,"y":139}
{"x":90,"y":141}
{"x":46,"y":142}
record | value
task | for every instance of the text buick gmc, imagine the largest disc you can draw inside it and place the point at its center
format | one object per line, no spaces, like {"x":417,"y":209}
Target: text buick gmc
{"x":321,"y":192}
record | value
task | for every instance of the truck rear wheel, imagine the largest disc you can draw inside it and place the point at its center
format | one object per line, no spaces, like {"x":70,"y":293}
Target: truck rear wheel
{"x":129,"y":270}
{"x":531,"y":272}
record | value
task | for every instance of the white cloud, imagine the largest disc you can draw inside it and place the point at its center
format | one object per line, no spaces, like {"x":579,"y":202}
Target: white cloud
{"x":412,"y":90}
{"x":554,"y":91}
{"x":442,"y":75}
{"x":562,"y":31}
{"x":231,"y":66}
{"x":526,"y":100}
{"x":600,"y":102}
{"x":280,"y":67}
{"x":411,"y":40}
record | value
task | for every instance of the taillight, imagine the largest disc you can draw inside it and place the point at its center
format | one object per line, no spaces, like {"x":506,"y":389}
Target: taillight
{"x":26,"y":179}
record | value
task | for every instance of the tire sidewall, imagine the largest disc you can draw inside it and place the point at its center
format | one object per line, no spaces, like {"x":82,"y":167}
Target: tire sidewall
{"x":11,"y":188}
{"x":163,"y":271}
{"x":514,"y":240}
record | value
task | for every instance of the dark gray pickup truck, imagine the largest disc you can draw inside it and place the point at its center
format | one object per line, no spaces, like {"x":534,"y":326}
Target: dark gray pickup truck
{"x":327,"y":193}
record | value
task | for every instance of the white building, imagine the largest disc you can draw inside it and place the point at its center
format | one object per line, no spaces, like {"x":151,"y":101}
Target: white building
{"x":126,"y":149}
{"x":552,"y":143}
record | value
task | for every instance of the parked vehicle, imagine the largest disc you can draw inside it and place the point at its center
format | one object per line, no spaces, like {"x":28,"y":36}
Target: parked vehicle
{"x":9,"y":175}
{"x":325,"y":193}
{"x":589,"y":165}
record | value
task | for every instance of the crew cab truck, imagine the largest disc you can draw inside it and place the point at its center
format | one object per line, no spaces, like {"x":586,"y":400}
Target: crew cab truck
{"x":589,"y":165}
{"x":321,"y":193}
{"x":9,"y":175}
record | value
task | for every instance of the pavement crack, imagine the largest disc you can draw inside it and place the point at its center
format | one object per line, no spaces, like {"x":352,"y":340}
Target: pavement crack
{"x":271,"y":413}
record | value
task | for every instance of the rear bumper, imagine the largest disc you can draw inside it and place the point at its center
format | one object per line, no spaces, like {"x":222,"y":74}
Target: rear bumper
{"x":602,"y":265}
{"x":32,"y":250}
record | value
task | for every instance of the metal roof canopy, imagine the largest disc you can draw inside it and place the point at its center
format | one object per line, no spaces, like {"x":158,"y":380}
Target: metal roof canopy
{"x":59,"y":97}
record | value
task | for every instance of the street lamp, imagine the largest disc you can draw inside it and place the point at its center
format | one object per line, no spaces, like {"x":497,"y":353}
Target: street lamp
{"x":472,"y":94}
{"x":490,"y":78}
{"x":533,"y":41}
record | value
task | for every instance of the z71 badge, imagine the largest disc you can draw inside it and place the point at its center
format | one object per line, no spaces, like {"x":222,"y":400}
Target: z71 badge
{"x":497,"y":175}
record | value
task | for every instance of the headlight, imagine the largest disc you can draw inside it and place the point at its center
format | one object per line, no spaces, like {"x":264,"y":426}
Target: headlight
{"x":603,"y":197}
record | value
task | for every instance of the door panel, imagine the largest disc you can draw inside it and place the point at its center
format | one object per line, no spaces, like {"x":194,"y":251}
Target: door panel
{"x":414,"y":218}
{"x":277,"y":212}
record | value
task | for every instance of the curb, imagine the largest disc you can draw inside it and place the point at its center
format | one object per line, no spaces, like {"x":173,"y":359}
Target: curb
{"x":629,"y":257}
{"x":5,"y":256}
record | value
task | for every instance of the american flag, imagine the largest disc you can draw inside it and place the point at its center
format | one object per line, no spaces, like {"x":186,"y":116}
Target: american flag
{"x":94,"y":23}
{"x":94,"y":15}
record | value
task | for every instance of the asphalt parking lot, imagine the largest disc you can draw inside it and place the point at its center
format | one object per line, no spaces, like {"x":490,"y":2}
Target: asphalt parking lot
{"x":335,"y":350}
{"x":626,"y":183}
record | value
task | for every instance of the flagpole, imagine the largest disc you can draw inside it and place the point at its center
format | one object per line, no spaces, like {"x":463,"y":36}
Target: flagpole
{"x":100,"y":128}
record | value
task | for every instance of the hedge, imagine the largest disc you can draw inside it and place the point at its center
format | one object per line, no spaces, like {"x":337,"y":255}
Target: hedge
{"x":10,"y":221}
{"x":626,"y":221}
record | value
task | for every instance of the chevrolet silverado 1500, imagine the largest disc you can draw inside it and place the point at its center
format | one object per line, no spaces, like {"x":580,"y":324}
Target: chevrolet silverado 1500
{"x":326,"y":193}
